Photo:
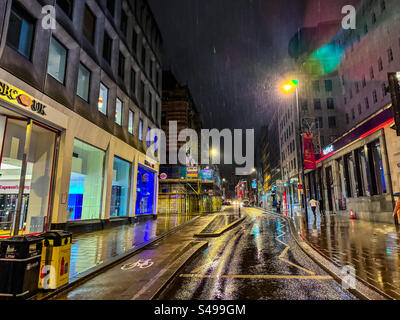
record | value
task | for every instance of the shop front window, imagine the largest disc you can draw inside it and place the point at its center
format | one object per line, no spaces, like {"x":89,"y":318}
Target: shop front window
{"x":86,"y":182}
{"x":120,"y":188}
{"x":376,"y":165}
{"x":145,"y":191}
{"x":40,"y":159}
{"x":365,"y":171}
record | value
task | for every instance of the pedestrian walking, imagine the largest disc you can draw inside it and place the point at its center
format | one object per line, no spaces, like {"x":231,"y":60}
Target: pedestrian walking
{"x":396,"y":211}
{"x":314,"y":204}
{"x":278,"y":207}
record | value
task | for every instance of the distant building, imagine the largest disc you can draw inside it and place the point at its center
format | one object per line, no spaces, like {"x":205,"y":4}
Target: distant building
{"x":191,"y":187}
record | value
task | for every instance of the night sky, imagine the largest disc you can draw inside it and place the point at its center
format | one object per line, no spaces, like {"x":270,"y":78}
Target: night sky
{"x":232,"y":53}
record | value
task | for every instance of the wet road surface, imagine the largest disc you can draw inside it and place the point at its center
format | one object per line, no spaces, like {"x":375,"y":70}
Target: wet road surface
{"x":92,"y":249}
{"x":373,"y":249}
{"x":257,"y":260}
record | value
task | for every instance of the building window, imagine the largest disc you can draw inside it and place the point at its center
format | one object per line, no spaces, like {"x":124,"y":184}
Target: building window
{"x":120,"y":188}
{"x":151,"y":104}
{"x":107,"y":47}
{"x":315,"y":85}
{"x":163,"y":118}
{"x":319,"y":123}
{"x":86,"y":182}
{"x":384,"y":92}
{"x":118,"y":112}
{"x":373,"y":18}
{"x":111,"y":6}
{"x":357,"y":87}
{"x":143,"y":56}
{"x":376,"y":165}
{"x":134,"y":41}
{"x":82,"y":89}
{"x":347,"y":118}
{"x":140,"y":130}
{"x":380,"y":64}
{"x":332,"y":122}
{"x":330,"y":103}
{"x":130,"y":121}
{"x":121,"y":66}
{"x":133,"y":82}
{"x":390,"y":55}
{"x":103,"y":99}
{"x":148,"y":137}
{"x":366,"y":103}
{"x":328,"y":85}
{"x":57,"y":60}
{"x":364,"y":82}
{"x":304,"y":104}
{"x":66,"y":6}
{"x":375,"y":96}
{"x":20,"y":32}
{"x":89,"y":24}
{"x":359,"y":109}
{"x":317,"y":104}
{"x":383,"y":5}
{"x":142,"y":89}
{"x":353,"y":114}
{"x":124,"y":22}
{"x":351,"y":93}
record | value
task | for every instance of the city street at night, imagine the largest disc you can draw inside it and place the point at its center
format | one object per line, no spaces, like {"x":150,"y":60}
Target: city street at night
{"x":199,"y":158}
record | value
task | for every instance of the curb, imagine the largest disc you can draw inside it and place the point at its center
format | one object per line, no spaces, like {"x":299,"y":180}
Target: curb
{"x":363,"y":290}
{"x":166,"y":275}
{"x":94,"y":271}
{"x":220,"y":231}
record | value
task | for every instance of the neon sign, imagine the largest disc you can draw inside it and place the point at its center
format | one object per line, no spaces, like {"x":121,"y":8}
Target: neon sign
{"x":329,"y":149}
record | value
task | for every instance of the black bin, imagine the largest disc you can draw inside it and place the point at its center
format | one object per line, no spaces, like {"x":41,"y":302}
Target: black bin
{"x":20,"y":266}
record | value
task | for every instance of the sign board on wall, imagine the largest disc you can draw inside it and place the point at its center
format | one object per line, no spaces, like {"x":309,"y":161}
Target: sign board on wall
{"x":192,"y":172}
{"x":21,"y":99}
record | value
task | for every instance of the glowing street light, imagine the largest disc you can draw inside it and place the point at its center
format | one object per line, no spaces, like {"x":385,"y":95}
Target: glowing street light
{"x":288,"y":87}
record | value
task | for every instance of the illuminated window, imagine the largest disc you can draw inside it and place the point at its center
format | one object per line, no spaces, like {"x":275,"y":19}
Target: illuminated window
{"x":118,"y":112}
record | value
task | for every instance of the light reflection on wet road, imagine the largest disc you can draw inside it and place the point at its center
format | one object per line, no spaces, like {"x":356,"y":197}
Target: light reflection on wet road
{"x":372,"y":248}
{"x":256,"y":260}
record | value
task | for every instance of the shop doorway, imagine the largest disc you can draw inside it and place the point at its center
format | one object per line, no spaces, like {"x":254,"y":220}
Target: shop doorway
{"x":145,"y":192}
{"x":38,"y":177}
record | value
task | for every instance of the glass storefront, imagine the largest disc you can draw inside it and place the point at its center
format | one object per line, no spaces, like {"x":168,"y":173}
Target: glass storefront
{"x":38,"y":178}
{"x":86,"y":182}
{"x":120,"y":188}
{"x":145,"y":192}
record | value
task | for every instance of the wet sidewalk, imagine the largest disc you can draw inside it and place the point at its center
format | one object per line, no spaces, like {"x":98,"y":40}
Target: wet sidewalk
{"x":373,"y":249}
{"x":94,"y":248}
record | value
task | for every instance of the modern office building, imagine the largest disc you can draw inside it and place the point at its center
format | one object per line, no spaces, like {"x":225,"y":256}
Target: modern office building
{"x":77,"y":103}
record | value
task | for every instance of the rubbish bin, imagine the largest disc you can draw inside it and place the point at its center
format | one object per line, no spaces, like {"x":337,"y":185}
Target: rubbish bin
{"x":19,"y":266}
{"x":55,"y":262}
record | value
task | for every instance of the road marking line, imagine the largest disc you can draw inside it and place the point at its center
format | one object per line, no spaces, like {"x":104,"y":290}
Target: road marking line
{"x":283,"y":253}
{"x":256,"y":276}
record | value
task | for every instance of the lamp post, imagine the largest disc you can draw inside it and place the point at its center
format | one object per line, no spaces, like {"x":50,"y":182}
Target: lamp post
{"x":288,"y":87}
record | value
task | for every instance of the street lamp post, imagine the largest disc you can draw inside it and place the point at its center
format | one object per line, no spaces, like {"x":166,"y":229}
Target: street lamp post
{"x":287,"y":88}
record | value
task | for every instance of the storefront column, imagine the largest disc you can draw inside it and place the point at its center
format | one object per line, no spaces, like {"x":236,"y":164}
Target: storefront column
{"x":107,"y":183}
{"x":134,"y":185}
{"x":385,"y":161}
{"x":59,"y":212}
